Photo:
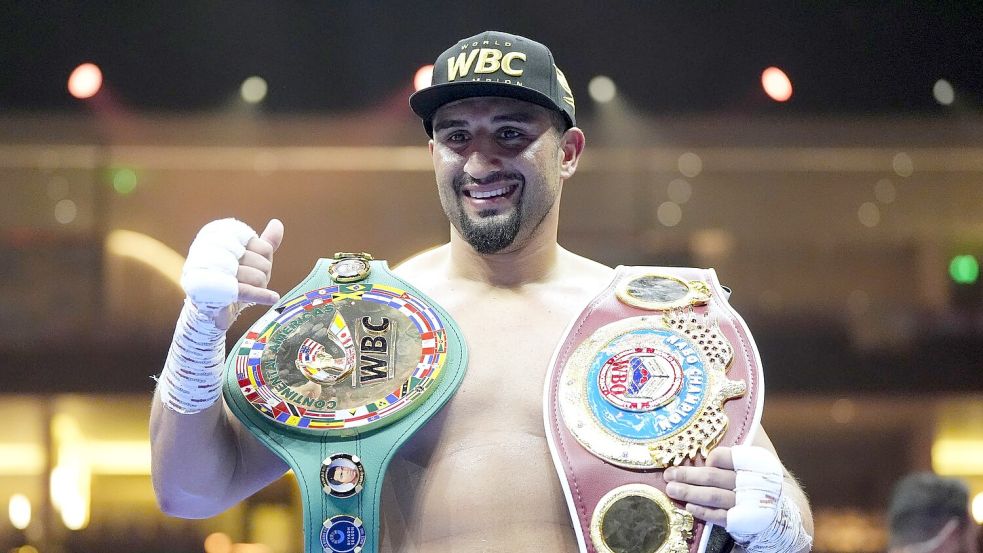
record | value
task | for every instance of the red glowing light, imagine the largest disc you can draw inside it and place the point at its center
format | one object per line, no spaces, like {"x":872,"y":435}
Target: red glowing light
{"x":85,"y":81}
{"x":423,"y":77}
{"x":776,"y":83}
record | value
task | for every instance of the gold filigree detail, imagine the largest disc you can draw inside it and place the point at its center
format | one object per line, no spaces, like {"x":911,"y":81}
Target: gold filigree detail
{"x":679,"y":523}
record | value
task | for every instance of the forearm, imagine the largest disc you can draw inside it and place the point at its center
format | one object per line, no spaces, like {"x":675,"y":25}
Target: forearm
{"x":193,"y":459}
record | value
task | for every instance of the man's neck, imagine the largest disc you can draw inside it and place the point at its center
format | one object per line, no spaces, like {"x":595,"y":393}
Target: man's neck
{"x":534,"y":261}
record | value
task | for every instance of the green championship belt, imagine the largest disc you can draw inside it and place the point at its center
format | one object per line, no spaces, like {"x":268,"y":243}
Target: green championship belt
{"x":334,"y":378}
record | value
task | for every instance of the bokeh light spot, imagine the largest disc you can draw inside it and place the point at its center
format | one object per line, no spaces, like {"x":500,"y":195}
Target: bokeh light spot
{"x":903,"y":165}
{"x":253,"y":89}
{"x":776,"y":83}
{"x":602,"y":89}
{"x":218,"y":543}
{"x":124,"y":180}
{"x":85,"y":81}
{"x":869,"y":214}
{"x":423,"y":77}
{"x":943,"y":92}
{"x":65,"y":211}
{"x":669,"y":214}
{"x":689,"y":164}
{"x":977,"y":508}
{"x":843,"y":411}
{"x":964,"y":269}
{"x":19,"y":510}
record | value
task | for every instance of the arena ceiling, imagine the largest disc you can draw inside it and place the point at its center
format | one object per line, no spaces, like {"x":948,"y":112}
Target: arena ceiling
{"x":665,"y":57}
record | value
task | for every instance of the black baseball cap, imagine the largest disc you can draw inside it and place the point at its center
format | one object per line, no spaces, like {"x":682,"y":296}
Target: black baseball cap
{"x":493,"y":63}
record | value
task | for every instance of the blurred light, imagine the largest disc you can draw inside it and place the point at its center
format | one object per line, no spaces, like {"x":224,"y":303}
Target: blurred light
{"x":679,"y":191}
{"x":26,"y":549}
{"x":149,"y":251}
{"x":903,"y":165}
{"x":885,"y":192}
{"x":869,"y":214}
{"x":65,"y":211}
{"x":253,"y":89}
{"x":85,"y":81}
{"x":71,"y":477}
{"x":124,"y":180}
{"x":218,"y":543}
{"x":690,"y":164}
{"x":712,"y":244}
{"x":844,"y":530}
{"x":21,"y":459}
{"x":57,"y":187}
{"x":251,"y":548}
{"x":423,"y":77}
{"x":858,"y":302}
{"x":943,"y":92}
{"x":964,"y":269}
{"x":75,"y":512}
{"x":602,"y":89}
{"x":776,"y":83}
{"x":977,"y":508}
{"x":273,"y":526}
{"x":118,"y":457}
{"x":669,"y":214}
{"x":843,"y":411}
{"x":958,"y":457}
{"x":19,"y":509}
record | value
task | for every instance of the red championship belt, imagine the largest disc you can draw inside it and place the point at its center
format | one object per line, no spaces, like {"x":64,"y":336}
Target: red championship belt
{"x":656,"y":371}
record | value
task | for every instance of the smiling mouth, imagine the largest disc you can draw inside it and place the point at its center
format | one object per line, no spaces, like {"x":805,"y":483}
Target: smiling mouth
{"x":490,"y":194}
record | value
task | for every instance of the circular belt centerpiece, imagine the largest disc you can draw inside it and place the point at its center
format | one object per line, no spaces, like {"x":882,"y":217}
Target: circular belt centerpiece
{"x":646,"y":392}
{"x":342,"y":358}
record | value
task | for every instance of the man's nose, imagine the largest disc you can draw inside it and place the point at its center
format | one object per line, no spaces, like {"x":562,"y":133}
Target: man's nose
{"x":480,"y":165}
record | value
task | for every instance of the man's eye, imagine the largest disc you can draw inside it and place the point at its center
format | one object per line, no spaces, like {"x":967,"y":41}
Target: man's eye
{"x":457,"y":137}
{"x":509,"y":134}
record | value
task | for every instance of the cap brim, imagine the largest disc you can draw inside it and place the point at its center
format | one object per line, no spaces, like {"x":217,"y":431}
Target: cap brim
{"x":426,"y":101}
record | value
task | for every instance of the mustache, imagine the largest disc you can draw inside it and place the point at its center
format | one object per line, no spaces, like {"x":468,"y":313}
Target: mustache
{"x":498,"y":176}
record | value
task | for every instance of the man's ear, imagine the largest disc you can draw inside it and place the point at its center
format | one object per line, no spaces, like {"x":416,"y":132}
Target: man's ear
{"x":572,"y":143}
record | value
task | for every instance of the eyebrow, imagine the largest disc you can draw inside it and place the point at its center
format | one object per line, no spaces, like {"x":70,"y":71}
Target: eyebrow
{"x":449,"y":123}
{"x":515,"y":117}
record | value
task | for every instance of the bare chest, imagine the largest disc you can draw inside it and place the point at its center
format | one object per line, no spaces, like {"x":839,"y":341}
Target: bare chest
{"x":482,"y":466}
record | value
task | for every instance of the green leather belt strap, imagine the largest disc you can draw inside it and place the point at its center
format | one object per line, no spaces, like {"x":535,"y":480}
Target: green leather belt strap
{"x":334,"y":379}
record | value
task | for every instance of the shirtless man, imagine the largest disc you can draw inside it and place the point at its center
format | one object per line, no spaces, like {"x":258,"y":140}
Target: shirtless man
{"x":479,"y":476}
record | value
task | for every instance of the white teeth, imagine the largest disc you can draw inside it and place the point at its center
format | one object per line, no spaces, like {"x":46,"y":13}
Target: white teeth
{"x":491,"y":193}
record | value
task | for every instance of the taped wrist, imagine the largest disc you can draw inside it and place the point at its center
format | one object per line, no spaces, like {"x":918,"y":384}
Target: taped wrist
{"x":785,"y":534}
{"x":192,"y":377}
{"x":763,"y":519}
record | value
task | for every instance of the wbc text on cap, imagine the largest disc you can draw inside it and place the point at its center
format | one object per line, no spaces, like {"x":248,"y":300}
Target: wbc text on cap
{"x":495,"y":64}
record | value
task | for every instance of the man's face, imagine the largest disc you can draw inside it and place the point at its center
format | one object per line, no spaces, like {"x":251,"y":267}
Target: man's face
{"x":345,"y":475}
{"x":497,"y":163}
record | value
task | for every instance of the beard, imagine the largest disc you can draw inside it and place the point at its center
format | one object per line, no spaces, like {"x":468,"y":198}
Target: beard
{"x":490,"y":231}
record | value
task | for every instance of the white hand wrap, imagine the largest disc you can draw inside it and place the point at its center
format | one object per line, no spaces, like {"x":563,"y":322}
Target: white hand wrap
{"x":763,"y":519}
{"x":192,"y":377}
{"x":209,"y":275}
